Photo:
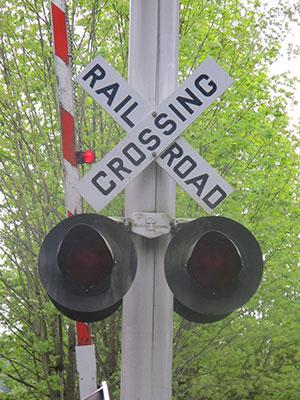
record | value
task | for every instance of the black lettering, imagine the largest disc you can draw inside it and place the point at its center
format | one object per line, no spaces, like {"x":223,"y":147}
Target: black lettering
{"x":147,"y":140}
{"x":211,"y":84}
{"x":184,"y":101}
{"x":195,"y":181}
{"x":122,"y":104}
{"x":177,"y":112}
{"x":184,"y":174}
{"x":138,"y":151}
{"x":128,"y":111}
{"x":116,"y":165}
{"x":93,"y":73}
{"x":163,"y":125}
{"x":174,"y":151}
{"x":109,"y":91}
{"x":95,"y":182}
{"x":216,"y":189}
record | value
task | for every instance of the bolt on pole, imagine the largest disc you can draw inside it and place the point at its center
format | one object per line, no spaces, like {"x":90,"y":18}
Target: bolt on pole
{"x":146,"y":366}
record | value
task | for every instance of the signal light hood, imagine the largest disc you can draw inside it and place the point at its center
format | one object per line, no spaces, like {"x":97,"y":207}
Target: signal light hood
{"x":213,"y":265}
{"x":87,"y":263}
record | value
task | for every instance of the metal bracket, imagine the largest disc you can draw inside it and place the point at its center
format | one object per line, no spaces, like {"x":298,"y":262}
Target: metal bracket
{"x":150,"y":225}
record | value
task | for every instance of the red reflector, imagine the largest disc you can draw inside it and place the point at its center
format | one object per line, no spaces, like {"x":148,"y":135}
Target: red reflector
{"x":214,"y":262}
{"x":85,"y":258}
{"x":88,"y":156}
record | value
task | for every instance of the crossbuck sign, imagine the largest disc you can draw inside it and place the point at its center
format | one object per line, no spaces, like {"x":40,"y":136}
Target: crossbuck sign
{"x":153,"y":134}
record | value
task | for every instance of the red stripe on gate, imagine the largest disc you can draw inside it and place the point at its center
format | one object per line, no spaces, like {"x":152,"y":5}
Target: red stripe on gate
{"x":83,"y":334}
{"x":60,"y":33}
{"x":68,"y":136}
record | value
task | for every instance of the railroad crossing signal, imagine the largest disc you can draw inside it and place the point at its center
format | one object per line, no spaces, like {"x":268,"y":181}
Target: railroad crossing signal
{"x":87,"y":263}
{"x":213,"y":265}
{"x":152,"y":134}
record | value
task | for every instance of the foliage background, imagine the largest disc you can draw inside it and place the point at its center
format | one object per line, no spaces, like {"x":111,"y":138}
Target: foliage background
{"x":252,"y":354}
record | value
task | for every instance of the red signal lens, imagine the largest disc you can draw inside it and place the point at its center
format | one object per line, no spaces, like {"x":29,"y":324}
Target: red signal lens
{"x":88,"y":156}
{"x":85,"y":258}
{"x":214,"y":262}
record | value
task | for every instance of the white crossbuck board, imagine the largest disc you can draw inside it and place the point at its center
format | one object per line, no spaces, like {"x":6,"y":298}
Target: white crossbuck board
{"x":153,"y":134}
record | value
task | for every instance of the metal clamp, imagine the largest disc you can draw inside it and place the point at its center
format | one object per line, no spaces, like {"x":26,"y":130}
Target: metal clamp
{"x":150,"y":225}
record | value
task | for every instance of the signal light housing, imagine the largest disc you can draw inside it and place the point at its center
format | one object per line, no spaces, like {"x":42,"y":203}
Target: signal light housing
{"x":87,"y":263}
{"x":213,"y":265}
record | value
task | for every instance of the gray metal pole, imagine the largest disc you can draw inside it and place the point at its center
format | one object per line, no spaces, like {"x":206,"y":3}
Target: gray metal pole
{"x":147,"y":308}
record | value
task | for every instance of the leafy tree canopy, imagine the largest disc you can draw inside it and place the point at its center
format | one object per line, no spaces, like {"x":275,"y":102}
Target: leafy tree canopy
{"x":246,"y":136}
